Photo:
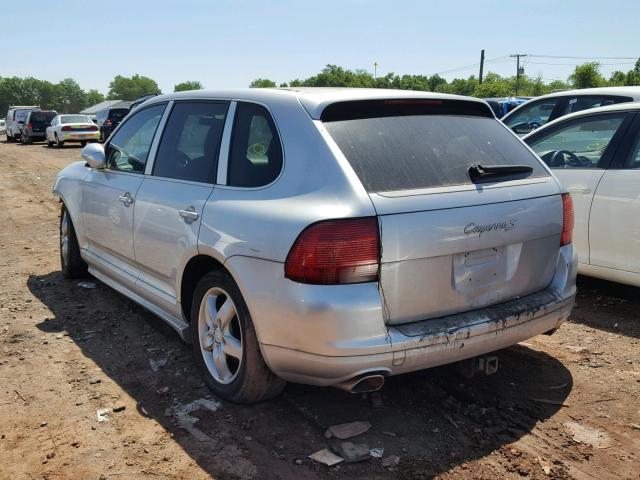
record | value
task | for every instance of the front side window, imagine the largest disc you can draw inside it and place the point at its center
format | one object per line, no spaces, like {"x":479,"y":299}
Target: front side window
{"x":579,"y":144}
{"x":532,"y":116}
{"x":129,"y":147}
{"x":255,"y":158}
{"x":190,"y":143}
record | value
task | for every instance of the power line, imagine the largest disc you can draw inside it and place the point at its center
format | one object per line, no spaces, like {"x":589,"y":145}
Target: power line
{"x":583,"y":58}
{"x":574,"y":64}
{"x":470,"y":66}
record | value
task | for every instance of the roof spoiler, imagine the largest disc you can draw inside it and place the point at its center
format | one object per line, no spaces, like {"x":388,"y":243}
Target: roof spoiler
{"x":398,"y":107}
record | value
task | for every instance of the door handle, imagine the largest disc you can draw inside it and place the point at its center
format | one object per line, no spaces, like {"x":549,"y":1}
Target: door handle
{"x":583,"y":190}
{"x":126,"y":198}
{"x":189,"y":214}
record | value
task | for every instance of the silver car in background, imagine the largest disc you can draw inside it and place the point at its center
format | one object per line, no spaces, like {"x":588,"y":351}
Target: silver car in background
{"x":323,"y":236}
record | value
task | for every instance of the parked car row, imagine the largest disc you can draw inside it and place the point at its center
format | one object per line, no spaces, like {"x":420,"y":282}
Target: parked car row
{"x":30,"y":124}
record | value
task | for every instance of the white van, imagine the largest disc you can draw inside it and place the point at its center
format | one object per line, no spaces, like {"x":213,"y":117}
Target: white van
{"x":15,"y":115}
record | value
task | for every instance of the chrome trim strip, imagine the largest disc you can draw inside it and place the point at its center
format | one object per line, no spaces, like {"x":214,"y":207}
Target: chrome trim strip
{"x":151,"y":157}
{"x":223,"y":158}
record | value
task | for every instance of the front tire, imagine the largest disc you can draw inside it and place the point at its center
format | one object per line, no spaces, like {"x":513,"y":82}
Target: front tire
{"x":71,"y":263}
{"x":225,"y":344}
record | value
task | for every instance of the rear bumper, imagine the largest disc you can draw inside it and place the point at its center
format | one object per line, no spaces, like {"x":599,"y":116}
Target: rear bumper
{"x":80,"y":136}
{"x":325,"y":334}
{"x":430,"y":343}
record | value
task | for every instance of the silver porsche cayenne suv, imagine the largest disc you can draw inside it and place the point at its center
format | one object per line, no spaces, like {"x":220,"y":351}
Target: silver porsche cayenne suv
{"x":322,"y":236}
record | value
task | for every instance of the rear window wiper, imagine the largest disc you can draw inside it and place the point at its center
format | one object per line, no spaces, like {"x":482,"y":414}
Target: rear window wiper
{"x":489,"y":172}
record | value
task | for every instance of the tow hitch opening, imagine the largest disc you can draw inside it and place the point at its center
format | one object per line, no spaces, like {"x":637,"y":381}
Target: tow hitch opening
{"x":485,"y":365}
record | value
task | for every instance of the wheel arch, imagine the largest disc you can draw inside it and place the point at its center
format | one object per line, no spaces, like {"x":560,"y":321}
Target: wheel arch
{"x":195,"y":268}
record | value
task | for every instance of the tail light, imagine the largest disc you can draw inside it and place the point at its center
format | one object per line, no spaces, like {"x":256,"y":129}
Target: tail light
{"x":91,"y":128}
{"x":336,"y":252}
{"x":107,"y":122}
{"x":567,"y":220}
{"x":29,"y":126}
{"x":66,"y":129}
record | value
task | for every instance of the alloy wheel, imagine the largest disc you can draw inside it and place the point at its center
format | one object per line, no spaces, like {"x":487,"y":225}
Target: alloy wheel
{"x":220,"y":335}
{"x":64,"y":237}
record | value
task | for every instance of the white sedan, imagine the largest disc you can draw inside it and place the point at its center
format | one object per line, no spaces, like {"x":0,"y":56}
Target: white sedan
{"x":596,"y":155}
{"x":71,"y":128}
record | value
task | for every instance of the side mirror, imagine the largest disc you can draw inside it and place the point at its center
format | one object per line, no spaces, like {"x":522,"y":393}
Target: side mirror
{"x":93,"y":154}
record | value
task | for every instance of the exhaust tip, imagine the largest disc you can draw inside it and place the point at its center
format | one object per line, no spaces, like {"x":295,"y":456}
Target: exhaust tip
{"x":363,"y":384}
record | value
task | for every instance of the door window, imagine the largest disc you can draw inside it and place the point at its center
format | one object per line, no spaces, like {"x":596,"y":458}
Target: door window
{"x":584,"y":102}
{"x":129,"y":147}
{"x":256,"y":155}
{"x":579,"y":144}
{"x":532,"y":116}
{"x":633,"y":162}
{"x":191,"y":140}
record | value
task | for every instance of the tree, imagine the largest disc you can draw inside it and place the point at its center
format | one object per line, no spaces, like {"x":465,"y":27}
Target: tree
{"x":617,"y":79}
{"x":93,"y":97}
{"x":262,"y":83}
{"x":188,"y":85}
{"x":125,"y":88}
{"x":587,"y":75}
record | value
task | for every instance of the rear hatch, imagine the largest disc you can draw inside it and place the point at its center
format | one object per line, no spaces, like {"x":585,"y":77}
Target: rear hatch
{"x":40,"y":121}
{"x":468,"y":216}
{"x":117,"y":114}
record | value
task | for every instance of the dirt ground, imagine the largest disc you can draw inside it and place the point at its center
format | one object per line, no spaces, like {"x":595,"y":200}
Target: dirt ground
{"x":560,"y":407}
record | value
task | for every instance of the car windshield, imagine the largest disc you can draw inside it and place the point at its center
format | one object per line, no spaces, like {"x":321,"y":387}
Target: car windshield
{"x":74,"y":119}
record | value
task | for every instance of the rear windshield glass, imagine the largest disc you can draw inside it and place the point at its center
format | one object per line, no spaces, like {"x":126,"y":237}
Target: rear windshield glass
{"x":423,"y":151}
{"x":118,"y":113}
{"x":39,"y":117}
{"x":74,"y":119}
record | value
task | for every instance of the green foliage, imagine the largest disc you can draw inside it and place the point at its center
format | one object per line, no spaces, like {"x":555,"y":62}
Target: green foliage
{"x":131,"y":88}
{"x":262,"y":83}
{"x":188,"y":85}
{"x":64,"y":97}
{"x":494,"y":85}
{"x":587,"y":75}
{"x":93,"y":97}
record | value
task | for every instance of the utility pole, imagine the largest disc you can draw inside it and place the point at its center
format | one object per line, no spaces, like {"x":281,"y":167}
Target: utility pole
{"x":375,"y":70}
{"x":519,"y":71}
{"x":481,"y":66}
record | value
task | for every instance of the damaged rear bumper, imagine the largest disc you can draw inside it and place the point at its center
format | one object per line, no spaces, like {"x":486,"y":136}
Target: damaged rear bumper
{"x":430,"y":343}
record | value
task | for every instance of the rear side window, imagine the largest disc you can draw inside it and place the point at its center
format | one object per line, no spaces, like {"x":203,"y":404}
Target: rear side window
{"x":579,"y":103}
{"x":255,"y":158}
{"x":424,"y":151}
{"x":191,"y":141}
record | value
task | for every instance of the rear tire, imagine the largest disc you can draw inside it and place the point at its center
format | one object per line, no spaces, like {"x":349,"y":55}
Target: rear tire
{"x":71,"y":263}
{"x":83,"y":143}
{"x":222,"y":331}
{"x":59,"y":144}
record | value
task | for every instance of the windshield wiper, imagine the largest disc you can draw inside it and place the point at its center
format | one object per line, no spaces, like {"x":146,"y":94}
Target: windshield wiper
{"x":489,"y":172}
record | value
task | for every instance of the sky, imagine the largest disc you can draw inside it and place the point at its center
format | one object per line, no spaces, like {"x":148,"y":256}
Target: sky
{"x":227,"y":44}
